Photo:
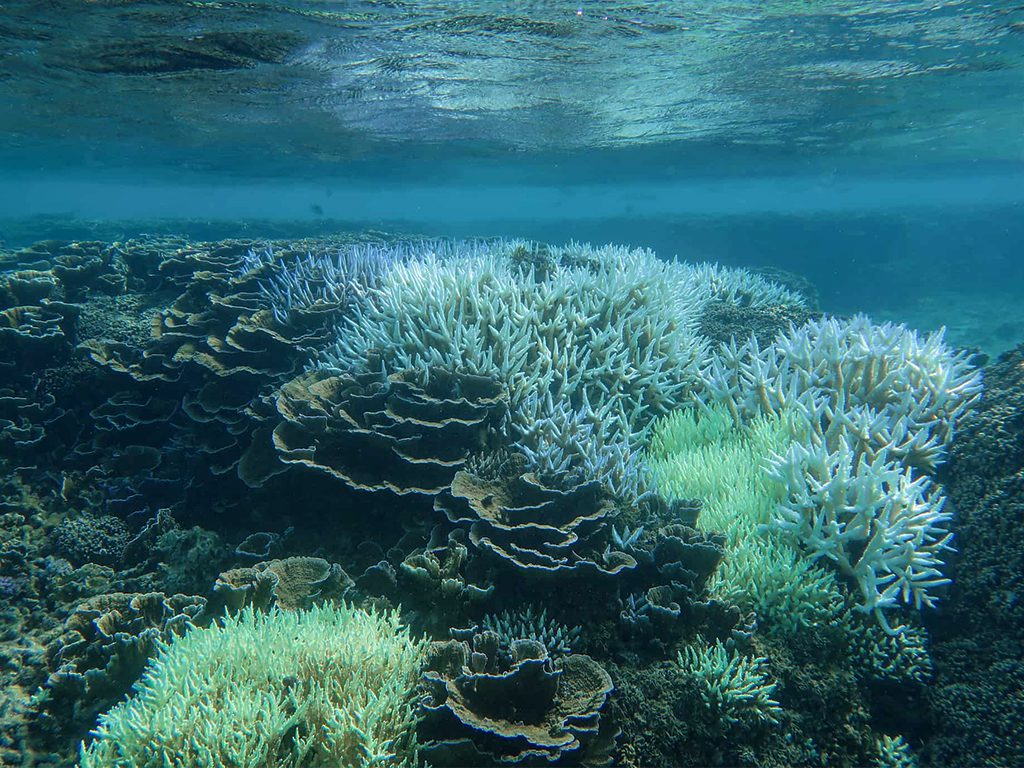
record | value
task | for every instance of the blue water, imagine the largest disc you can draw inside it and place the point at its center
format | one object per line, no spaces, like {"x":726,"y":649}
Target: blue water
{"x":834,"y":139}
{"x":873,"y":147}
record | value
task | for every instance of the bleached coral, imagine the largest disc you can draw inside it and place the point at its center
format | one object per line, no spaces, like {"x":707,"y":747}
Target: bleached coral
{"x":704,"y":455}
{"x":878,"y":406}
{"x":531,"y":624}
{"x":591,"y":343}
{"x":573,"y":446}
{"x":742,"y":288}
{"x":322,"y":280}
{"x":876,"y":520}
{"x":735,"y":688}
{"x":332,"y":685}
{"x":874,"y":386}
{"x":892,"y":752}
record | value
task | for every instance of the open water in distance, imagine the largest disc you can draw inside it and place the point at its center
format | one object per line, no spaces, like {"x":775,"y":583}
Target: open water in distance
{"x":875,"y":147}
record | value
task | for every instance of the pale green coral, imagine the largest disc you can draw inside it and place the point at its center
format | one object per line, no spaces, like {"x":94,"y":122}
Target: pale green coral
{"x":892,"y":752}
{"x":706,"y":456}
{"x":327,"y":686}
{"x":735,"y":688}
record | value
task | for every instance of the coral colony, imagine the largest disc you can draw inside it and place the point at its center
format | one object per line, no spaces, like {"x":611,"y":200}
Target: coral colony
{"x":465,"y":503}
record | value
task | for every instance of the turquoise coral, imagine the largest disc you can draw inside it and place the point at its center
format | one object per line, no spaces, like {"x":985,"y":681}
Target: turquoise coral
{"x":735,"y":688}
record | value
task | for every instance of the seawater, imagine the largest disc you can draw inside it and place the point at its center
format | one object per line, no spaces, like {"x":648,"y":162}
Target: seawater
{"x":874,"y":149}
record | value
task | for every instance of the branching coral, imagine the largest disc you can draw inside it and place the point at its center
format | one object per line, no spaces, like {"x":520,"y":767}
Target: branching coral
{"x":706,"y":456}
{"x":608,"y":335}
{"x":875,"y":520}
{"x":874,"y":386}
{"x":879,"y":405}
{"x":892,"y":752}
{"x":324,"y":281}
{"x":329,"y":685}
{"x":735,"y":688}
{"x":531,"y":624}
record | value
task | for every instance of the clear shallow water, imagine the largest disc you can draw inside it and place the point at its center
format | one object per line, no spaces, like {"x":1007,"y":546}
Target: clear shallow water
{"x":265,"y":88}
{"x":874,"y":148}
{"x":642,"y":123}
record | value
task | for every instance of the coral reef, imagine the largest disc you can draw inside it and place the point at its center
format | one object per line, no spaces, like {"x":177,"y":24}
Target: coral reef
{"x":106,"y":644}
{"x":483,"y":709}
{"x":319,"y":686}
{"x":702,"y":454}
{"x":877,"y":405}
{"x":627,"y":507}
{"x":608,"y":335}
{"x":531,"y":624}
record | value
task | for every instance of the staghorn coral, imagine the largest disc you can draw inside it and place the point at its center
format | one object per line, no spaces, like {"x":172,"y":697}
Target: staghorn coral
{"x":877,"y":405}
{"x":321,"y":283}
{"x":329,"y":685}
{"x":876,"y":521}
{"x":568,"y":447}
{"x":892,"y":752}
{"x":874,"y":386}
{"x":735,"y":689}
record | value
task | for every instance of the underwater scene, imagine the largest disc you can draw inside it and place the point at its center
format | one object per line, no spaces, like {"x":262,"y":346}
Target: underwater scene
{"x":399,"y":383}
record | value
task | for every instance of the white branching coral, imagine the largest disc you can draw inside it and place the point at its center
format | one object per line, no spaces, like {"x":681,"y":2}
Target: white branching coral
{"x":874,"y":386}
{"x":892,"y":752}
{"x":874,"y":519}
{"x":878,"y":405}
{"x":735,"y":688}
{"x":580,"y":336}
{"x":325,"y":281}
